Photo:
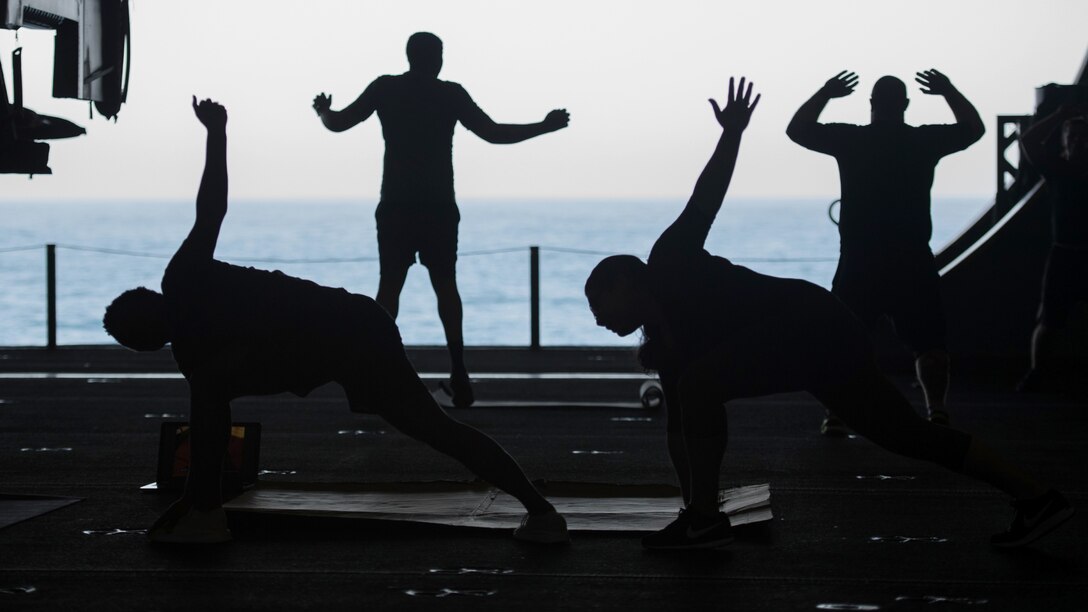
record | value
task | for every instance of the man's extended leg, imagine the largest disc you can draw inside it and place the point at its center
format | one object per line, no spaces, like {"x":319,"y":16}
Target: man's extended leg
{"x":416,"y":414}
{"x":444,"y":281}
{"x":874,"y":408}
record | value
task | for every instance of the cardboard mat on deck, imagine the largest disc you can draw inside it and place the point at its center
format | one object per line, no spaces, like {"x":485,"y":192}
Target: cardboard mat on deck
{"x":586,"y":506}
{"x":18,"y":508}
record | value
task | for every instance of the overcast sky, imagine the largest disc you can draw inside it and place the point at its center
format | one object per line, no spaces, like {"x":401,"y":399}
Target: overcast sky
{"x":634,"y":75}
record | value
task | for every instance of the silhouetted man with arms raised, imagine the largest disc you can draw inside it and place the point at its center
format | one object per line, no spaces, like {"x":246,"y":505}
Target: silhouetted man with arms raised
{"x":417,"y":212}
{"x":886,"y":267}
{"x":238,"y":331}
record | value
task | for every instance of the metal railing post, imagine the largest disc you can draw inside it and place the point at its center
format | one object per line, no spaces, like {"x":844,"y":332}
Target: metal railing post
{"x":51,"y":295}
{"x":534,"y":297}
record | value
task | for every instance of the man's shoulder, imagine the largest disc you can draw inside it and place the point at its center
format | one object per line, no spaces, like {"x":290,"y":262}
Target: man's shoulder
{"x":682,"y":240}
{"x":936,"y":130}
{"x":431,"y":87}
{"x":184,"y":263}
{"x":837,"y":132}
{"x":384,"y":81}
{"x":835,"y":125}
{"x":452,"y":88}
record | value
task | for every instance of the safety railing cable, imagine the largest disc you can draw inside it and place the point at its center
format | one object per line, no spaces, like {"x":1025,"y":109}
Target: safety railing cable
{"x":33,"y":247}
{"x":534,"y":270}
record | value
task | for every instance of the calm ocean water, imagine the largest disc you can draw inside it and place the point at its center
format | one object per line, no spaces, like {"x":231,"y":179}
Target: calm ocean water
{"x":781,"y":237}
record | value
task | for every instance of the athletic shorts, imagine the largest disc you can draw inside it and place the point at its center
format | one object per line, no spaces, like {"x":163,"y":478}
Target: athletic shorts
{"x":1065,"y":282}
{"x":907,"y":291}
{"x":374,"y":368}
{"x":401,"y":235}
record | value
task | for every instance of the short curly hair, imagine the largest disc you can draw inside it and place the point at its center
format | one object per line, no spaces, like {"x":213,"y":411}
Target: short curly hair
{"x":137,"y":320}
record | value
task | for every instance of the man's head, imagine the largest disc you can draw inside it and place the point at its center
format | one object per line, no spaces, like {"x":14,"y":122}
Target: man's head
{"x":1075,"y":140}
{"x":425,"y":53}
{"x":889,"y":99}
{"x":137,"y":319}
{"x":618,"y":293}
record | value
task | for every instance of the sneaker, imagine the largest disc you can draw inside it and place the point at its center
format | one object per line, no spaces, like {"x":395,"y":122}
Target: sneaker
{"x":194,"y":527}
{"x":690,"y":531}
{"x":939,"y":417}
{"x":1034,"y":519}
{"x":459,"y":388}
{"x":547,"y":528}
{"x":833,"y":427}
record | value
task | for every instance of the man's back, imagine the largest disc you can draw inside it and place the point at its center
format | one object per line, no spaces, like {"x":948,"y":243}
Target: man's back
{"x":886,"y":173}
{"x":290,"y":330}
{"x":418,"y":116}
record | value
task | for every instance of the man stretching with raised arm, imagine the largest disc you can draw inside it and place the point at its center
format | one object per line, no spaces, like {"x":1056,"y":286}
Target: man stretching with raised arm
{"x":417,"y":212}
{"x":715,"y":331}
{"x":238,"y":331}
{"x":886,"y":267}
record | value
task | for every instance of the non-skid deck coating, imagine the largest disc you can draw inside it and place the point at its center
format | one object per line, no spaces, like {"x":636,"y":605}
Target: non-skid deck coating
{"x":853,"y":524}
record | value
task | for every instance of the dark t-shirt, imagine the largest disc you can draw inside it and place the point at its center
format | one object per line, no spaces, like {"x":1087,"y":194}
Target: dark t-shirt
{"x":886,"y":173}
{"x":418,"y":116}
{"x":259,"y":331}
{"x":794,"y":331}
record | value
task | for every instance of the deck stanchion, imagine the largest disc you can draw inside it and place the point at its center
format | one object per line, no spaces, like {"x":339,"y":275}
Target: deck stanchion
{"x":534,"y":297}
{"x":51,"y":295}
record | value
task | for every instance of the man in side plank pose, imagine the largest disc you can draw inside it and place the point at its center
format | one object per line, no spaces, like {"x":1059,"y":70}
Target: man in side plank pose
{"x":238,"y":331}
{"x":715,"y":331}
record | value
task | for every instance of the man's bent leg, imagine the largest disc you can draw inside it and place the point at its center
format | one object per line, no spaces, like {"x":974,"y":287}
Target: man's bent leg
{"x":698,"y":447}
{"x":198,"y":517}
{"x":704,"y":426}
{"x":209,"y":430}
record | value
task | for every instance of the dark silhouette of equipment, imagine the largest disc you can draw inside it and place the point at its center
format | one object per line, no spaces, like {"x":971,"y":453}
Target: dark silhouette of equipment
{"x":22,"y":128}
{"x":91,"y":62}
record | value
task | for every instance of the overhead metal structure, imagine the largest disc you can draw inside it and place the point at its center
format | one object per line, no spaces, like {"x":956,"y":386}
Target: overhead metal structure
{"x":91,"y":60}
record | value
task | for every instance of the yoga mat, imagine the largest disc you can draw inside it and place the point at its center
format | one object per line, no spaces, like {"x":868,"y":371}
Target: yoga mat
{"x":586,"y":506}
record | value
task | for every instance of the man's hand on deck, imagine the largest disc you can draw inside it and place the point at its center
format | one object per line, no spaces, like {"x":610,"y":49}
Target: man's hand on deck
{"x":738,"y":108}
{"x":211,"y":114}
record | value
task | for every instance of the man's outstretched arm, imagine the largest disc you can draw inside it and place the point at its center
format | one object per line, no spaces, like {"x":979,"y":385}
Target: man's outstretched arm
{"x":935,"y":83}
{"x":211,"y":199}
{"x":714,"y":180}
{"x":509,"y":133}
{"x":808,"y":116}
{"x":355,"y":113}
